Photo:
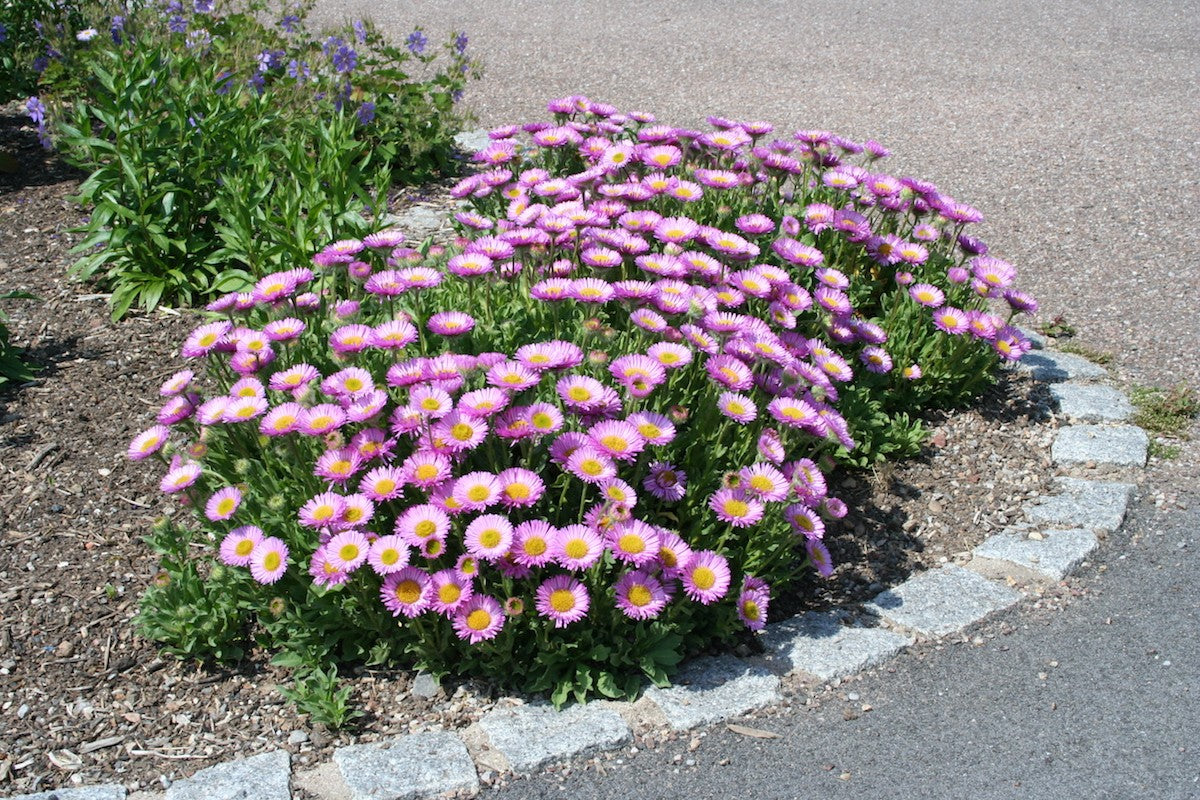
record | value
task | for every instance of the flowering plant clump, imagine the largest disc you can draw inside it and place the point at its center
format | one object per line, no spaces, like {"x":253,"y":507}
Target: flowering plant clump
{"x":592,"y":439}
{"x":226,"y":138}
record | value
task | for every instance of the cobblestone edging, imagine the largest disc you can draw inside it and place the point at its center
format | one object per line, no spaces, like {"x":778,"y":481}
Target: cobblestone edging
{"x":1058,"y":534}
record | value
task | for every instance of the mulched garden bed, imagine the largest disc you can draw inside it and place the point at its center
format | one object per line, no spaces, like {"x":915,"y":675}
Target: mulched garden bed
{"x":84,"y":700}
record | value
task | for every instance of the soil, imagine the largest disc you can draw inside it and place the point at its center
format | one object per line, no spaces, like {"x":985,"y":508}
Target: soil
{"x":84,"y":700}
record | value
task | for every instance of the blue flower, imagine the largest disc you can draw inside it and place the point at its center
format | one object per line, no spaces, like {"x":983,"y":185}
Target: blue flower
{"x":366,"y":112}
{"x":3,"y":32}
{"x":360,"y":31}
{"x":177,"y":24}
{"x":36,"y":110}
{"x":203,"y":6}
{"x":290,"y":23}
{"x":460,"y":43}
{"x":298,"y":70}
{"x":416,"y":42}
{"x":345,"y":59}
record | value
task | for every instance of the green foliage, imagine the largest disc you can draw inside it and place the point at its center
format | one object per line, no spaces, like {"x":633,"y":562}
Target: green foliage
{"x":31,"y":28}
{"x":1167,"y":412}
{"x":221,"y":153}
{"x":316,"y":692}
{"x":1091,"y":354}
{"x":1057,"y":327}
{"x":12,"y":365}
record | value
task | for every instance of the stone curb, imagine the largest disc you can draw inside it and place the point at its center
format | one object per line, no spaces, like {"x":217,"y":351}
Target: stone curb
{"x":1060,"y":532}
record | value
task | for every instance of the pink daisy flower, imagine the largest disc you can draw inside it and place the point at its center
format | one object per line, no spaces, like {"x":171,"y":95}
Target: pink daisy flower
{"x":512,"y":376}
{"x":282,"y":419}
{"x":323,"y":418}
{"x":479,"y":619}
{"x":426,"y":469}
{"x":177,"y":383}
{"x":818,"y":556}
{"x":383,"y":483}
{"x":407,"y":592}
{"x":323,"y":572}
{"x":488,"y":536}
{"x":322,"y":511}
{"x":617,"y":439}
{"x":544,"y":418}
{"x":706,"y":577}
{"x":476,"y":491}
{"x":388,"y":554}
{"x":347,"y":550}
{"x":736,"y":507}
{"x":876,"y":359}
{"x":420,"y":522}
{"x":729,"y":372}
{"x":591,"y":465}
{"x":805,"y":521}
{"x":633,"y":542}
{"x":927,"y":294}
{"x":533,"y":543}
{"x":180,"y":478}
{"x":238,"y":545}
{"x":223,"y":504}
{"x":673,"y":553}
{"x":483,"y":403}
{"x":519,"y":487}
{"x":765,"y":482}
{"x":653,"y":427}
{"x":358,"y":511}
{"x":738,"y":407}
{"x":204,"y":339}
{"x":450,"y":323}
{"x":619,"y":492}
{"x":950,"y":320}
{"x":752,"y":607}
{"x":449,"y":590}
{"x":577,"y":547}
{"x":268,"y":560}
{"x":562,"y":599}
{"x":148,"y":442}
{"x":294,"y":378}
{"x":640,"y":595}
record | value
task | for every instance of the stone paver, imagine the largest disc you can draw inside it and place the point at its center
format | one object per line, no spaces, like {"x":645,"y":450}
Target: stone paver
{"x":262,"y":777}
{"x":819,"y":644}
{"x":1053,"y":367}
{"x":1098,"y":505}
{"x":1113,"y":445}
{"x":1091,"y":402}
{"x":106,"y":792}
{"x":407,"y":768}
{"x":417,"y":222}
{"x":942,"y":601}
{"x":530,"y":736}
{"x":1054,"y":555}
{"x":473,"y":141}
{"x":711,"y":690}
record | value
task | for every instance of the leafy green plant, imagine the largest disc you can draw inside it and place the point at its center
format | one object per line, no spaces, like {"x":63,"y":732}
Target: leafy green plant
{"x":1165,"y":411}
{"x":316,"y":692}
{"x":222,"y":145}
{"x":13,"y":367}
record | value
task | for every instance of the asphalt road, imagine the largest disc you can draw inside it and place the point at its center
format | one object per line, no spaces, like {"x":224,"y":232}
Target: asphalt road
{"x":1075,"y":127}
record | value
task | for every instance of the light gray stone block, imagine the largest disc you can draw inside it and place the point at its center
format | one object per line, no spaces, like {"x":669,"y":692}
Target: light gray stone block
{"x":819,"y":644}
{"x":1052,"y":367}
{"x":942,"y":601}
{"x":1097,"y":505}
{"x":471,"y":142}
{"x":407,"y":768}
{"x":1055,"y":555}
{"x":712,"y":690}
{"x":1091,"y":402}
{"x":105,"y":792}
{"x":1112,"y":445}
{"x":417,"y":222}
{"x":1036,"y":340}
{"x":262,"y":777}
{"x":530,"y":736}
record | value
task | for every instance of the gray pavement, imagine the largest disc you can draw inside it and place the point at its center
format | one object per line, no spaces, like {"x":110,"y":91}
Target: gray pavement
{"x":1074,"y":127}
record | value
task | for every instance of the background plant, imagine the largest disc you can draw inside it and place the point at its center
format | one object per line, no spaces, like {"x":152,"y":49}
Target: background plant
{"x":13,"y":368}
{"x":588,"y":443}
{"x":224,"y":139}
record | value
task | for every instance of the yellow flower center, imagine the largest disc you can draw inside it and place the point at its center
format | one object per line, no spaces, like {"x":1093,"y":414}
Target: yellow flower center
{"x":631,"y":543}
{"x":479,"y":620}
{"x":244,"y":548}
{"x":449,"y":593}
{"x":639,"y":595}
{"x":271,"y":561}
{"x":562,"y":600}
{"x":761,"y":483}
{"x":425,"y":528}
{"x":490,"y":538}
{"x":225,"y":506}
{"x":704,"y":578}
{"x":461,"y":432}
{"x":389,"y":556}
{"x":517,"y":491}
{"x":385,"y":486}
{"x":426,"y":472}
{"x":736,"y":508}
{"x":348,"y":552}
{"x":408,"y":592}
{"x":542,"y":421}
{"x":477,"y":493}
{"x":576,"y":548}
{"x":534,"y":546}
{"x":431,"y":404}
{"x":616,"y":443}
{"x":750,"y":610}
{"x":579,"y":394}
